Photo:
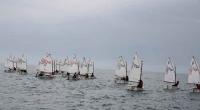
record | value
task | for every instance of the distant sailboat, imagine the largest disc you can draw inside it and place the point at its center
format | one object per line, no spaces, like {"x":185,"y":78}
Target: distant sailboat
{"x":58,"y":66}
{"x":10,"y":64}
{"x":84,"y":68}
{"x":194,"y":75}
{"x":170,"y":75}
{"x":121,"y":75}
{"x":91,"y":68}
{"x":64,"y":67}
{"x":73,"y":68}
{"x":135,"y":76}
{"x":46,"y":67}
{"x":22,"y":64}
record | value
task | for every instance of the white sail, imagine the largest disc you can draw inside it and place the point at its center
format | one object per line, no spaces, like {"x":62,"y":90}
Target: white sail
{"x":90,"y":66}
{"x":194,"y":74}
{"x":74,"y":65}
{"x":136,"y":69}
{"x":121,"y":70}
{"x":170,"y":75}
{"x":58,"y":65}
{"x":84,"y":67}
{"x":46,"y":64}
{"x":65,"y":65}
{"x":22,"y":63}
{"x":9,"y":63}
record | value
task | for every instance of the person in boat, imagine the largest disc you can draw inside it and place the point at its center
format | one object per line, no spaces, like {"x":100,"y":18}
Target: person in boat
{"x":92,"y":75}
{"x":14,"y":69}
{"x":140,"y":84}
{"x":176,"y":84}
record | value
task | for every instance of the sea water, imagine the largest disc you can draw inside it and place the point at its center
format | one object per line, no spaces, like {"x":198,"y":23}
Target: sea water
{"x":25,"y":92}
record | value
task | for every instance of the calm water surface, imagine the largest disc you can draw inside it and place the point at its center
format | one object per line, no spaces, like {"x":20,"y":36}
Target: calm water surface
{"x":25,"y":92}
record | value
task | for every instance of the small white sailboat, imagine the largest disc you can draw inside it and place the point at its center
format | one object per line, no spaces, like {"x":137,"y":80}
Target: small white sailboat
{"x":10,"y":64}
{"x":121,"y":75}
{"x":22,"y":64}
{"x":84,"y":68}
{"x":170,"y":75}
{"x":194,"y":75}
{"x":64,"y":67}
{"x":91,"y":68}
{"x":135,"y":76}
{"x":46,"y":67}
{"x":73,"y":68}
{"x":58,"y":66}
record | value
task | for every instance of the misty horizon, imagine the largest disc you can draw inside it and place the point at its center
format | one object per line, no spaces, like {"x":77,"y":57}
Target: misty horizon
{"x":102,"y":30}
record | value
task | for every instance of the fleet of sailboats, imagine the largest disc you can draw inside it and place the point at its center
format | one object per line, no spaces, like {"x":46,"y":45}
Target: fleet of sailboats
{"x":16,"y":64}
{"x":70,"y":68}
{"x":76,"y":69}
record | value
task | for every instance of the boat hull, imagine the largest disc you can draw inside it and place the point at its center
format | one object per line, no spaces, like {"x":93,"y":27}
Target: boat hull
{"x":195,"y":90}
{"x":119,"y":81}
{"x":134,"y":88}
{"x":9,"y":71}
{"x":171,"y":88}
{"x":44,"y":76}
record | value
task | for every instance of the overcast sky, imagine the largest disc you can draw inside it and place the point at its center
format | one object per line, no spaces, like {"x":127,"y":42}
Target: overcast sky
{"x":103,"y":30}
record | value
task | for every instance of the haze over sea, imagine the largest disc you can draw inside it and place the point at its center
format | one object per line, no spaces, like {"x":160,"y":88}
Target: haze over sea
{"x":25,"y":92}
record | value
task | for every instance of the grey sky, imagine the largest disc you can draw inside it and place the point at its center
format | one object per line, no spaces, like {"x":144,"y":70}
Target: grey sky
{"x":102,"y":29}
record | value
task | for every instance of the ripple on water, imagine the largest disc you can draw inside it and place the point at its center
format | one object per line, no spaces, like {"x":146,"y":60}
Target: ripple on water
{"x":29,"y":93}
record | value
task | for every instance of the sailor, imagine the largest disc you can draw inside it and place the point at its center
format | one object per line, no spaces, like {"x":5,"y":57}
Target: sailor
{"x":140,"y":84}
{"x":92,"y":75}
{"x":176,"y":84}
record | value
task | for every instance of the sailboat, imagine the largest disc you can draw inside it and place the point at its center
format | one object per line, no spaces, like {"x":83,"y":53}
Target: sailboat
{"x":84,"y":68}
{"x":121,"y":75}
{"x":194,"y":75}
{"x":64,"y":67}
{"x":58,"y":66}
{"x":135,"y":76}
{"x":73,"y":68}
{"x":22,"y":64}
{"x":170,"y":75}
{"x":10,"y":64}
{"x":91,"y":69}
{"x":46,"y":67}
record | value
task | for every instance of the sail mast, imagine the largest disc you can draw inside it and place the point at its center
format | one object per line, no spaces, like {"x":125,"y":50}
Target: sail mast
{"x":126,"y":69}
{"x":141,"y":69}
